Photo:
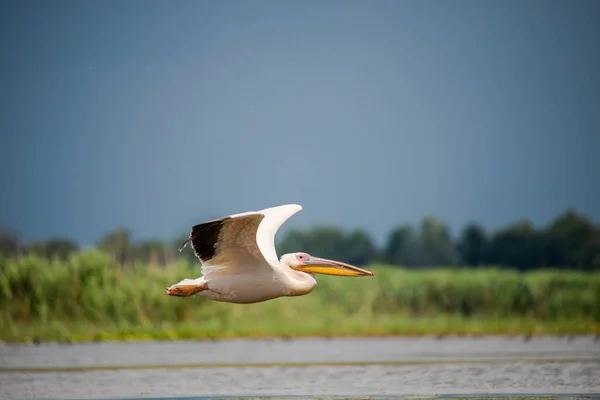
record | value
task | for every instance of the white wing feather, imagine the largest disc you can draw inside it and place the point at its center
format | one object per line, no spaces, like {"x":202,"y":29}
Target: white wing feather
{"x":247,"y":242}
{"x":265,"y":234}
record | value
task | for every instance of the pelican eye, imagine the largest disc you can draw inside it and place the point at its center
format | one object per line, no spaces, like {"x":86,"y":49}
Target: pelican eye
{"x":302,"y":257}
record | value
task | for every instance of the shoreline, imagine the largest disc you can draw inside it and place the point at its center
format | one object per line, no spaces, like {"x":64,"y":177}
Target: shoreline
{"x":159,"y":338}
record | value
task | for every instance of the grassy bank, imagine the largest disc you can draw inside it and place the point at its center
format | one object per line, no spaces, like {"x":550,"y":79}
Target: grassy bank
{"x":89,"y":298}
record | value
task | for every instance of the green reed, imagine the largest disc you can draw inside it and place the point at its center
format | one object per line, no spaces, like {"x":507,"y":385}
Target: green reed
{"x":90,"y":297}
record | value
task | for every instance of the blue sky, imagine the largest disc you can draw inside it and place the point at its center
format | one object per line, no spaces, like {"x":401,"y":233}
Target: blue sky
{"x":156,"y":115}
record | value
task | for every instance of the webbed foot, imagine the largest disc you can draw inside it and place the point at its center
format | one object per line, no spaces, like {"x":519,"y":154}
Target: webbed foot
{"x":185,"y":290}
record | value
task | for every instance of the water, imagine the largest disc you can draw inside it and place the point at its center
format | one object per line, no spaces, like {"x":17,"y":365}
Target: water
{"x":310,"y":368}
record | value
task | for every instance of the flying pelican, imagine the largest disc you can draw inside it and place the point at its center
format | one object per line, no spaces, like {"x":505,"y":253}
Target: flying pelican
{"x":240,"y":265}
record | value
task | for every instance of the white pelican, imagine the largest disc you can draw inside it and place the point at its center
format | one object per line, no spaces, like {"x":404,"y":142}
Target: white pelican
{"x":240,"y":265}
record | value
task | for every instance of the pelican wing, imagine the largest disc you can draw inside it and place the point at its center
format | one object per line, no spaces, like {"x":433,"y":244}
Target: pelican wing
{"x":239,"y":242}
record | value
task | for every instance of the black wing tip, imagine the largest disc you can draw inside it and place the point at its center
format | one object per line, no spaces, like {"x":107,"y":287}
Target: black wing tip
{"x":196,"y":228}
{"x":203,"y":238}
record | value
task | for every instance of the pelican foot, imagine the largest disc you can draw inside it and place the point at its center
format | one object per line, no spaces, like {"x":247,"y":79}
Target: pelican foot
{"x":185,"y":290}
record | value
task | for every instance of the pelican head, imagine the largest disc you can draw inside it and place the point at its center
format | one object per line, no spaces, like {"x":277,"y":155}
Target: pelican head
{"x":304,"y":262}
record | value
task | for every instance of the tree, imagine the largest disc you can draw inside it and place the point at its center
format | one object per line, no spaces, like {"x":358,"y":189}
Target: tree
{"x":10,"y":245}
{"x":330,"y":242}
{"x":472,"y":245}
{"x":326,"y":241}
{"x":153,"y":251}
{"x":578,"y":238}
{"x":436,"y":244}
{"x":360,"y":249}
{"x":323,"y":241}
{"x":520,"y":245}
{"x":118,"y":244}
{"x":294,"y":240}
{"x":402,"y":247}
{"x":60,"y":248}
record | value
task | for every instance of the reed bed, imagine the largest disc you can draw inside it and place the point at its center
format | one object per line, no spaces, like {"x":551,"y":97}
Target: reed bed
{"x":89,"y":297}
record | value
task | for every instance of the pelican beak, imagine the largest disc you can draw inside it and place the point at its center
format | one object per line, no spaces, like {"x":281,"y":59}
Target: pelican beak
{"x":329,"y":267}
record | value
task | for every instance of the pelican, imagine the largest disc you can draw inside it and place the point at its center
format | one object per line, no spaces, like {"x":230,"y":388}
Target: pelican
{"x":240,"y":264}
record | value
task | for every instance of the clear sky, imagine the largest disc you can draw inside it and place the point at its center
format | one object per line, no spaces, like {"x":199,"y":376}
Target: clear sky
{"x":156,"y":115}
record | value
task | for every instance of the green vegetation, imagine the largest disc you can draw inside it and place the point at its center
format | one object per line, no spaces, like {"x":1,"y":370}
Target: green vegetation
{"x":89,"y":296}
{"x":571,"y":241}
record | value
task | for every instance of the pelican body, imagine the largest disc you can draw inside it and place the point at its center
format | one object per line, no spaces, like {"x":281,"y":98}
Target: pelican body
{"x":239,"y":263}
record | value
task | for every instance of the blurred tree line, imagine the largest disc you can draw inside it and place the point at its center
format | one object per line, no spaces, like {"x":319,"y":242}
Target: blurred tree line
{"x":570,"y":241}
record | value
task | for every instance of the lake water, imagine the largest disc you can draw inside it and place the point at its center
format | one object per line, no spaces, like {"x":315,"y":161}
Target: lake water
{"x":309,"y":368}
